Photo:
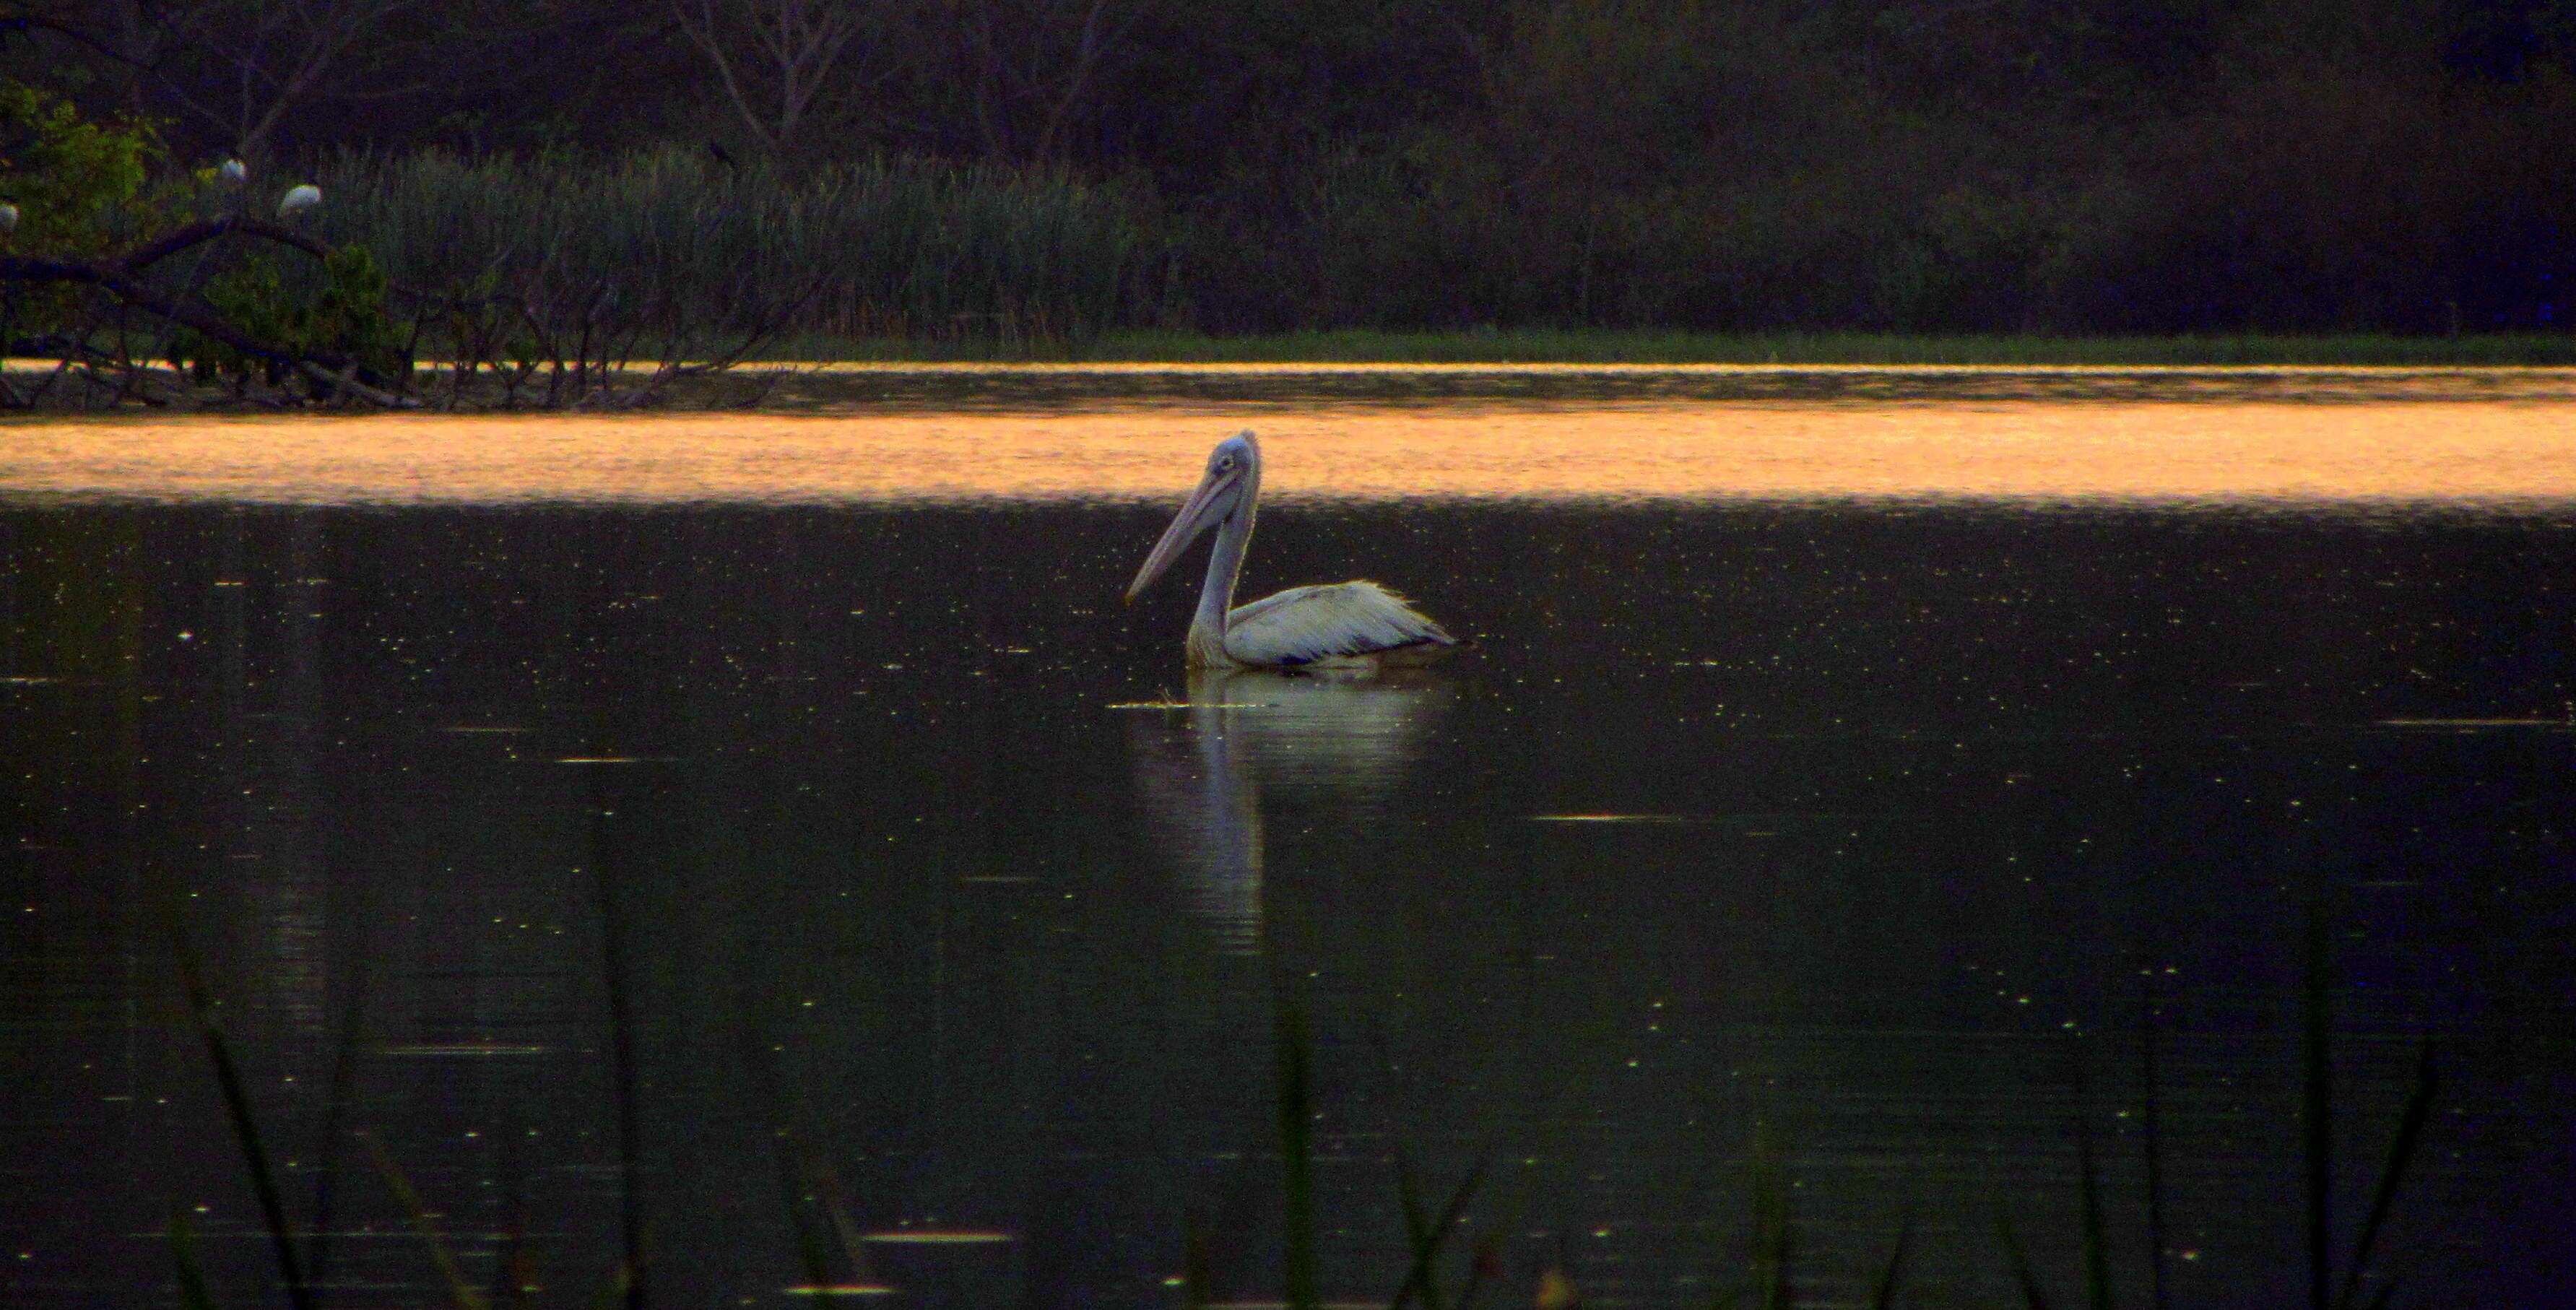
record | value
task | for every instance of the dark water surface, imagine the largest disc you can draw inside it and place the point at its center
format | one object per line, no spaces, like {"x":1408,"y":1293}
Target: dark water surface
{"x":1848,"y":843}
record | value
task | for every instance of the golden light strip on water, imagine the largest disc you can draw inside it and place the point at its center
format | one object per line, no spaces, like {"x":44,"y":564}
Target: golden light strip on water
{"x":2029,"y":451}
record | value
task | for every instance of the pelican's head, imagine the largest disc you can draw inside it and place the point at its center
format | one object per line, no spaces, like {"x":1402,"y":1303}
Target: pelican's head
{"x":1233,"y":476}
{"x":232,"y":173}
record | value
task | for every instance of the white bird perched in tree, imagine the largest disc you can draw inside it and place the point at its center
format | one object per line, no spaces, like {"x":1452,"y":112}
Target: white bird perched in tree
{"x":8,"y":218}
{"x":232,"y":173}
{"x":1337,"y":625}
{"x":298,"y":200}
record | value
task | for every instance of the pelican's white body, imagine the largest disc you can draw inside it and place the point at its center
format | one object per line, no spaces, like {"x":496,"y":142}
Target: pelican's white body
{"x":1328,"y":625}
{"x":1334,"y":625}
{"x":298,"y":199}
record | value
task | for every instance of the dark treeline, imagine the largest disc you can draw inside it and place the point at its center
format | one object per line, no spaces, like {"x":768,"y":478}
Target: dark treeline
{"x":2088,"y":166}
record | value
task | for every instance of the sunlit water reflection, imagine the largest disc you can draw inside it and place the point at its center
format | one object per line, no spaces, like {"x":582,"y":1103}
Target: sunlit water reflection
{"x":952,"y":919}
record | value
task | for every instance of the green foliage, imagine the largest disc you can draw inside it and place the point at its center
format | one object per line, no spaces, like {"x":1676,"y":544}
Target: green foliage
{"x":349,"y":319}
{"x":248,"y":296}
{"x":343,"y":319}
{"x":83,"y":189}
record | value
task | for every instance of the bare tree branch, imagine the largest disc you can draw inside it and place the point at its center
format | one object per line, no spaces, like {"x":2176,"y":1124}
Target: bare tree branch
{"x":775,"y":58}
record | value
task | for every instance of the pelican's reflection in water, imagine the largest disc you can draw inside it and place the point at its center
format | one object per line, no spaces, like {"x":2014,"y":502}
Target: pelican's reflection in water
{"x":1343,"y":744}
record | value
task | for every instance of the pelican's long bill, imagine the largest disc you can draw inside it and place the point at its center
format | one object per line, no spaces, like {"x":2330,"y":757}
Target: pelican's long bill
{"x":1205,"y":508}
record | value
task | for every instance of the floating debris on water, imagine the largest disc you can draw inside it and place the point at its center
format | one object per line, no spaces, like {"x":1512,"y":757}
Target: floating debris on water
{"x":1189,"y":705}
{"x":1283,"y":1305}
{"x":462,"y":1048}
{"x":2477,"y":723}
{"x":1615,"y":818}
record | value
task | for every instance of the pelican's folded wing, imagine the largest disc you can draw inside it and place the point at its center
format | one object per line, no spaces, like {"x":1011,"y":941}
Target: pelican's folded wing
{"x":1303,"y":625}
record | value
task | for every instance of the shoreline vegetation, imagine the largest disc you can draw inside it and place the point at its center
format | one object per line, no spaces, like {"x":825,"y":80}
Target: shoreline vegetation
{"x":820,"y":375}
{"x":1638,"y":348}
{"x":662,"y":278}
{"x":1893,"y":181}
{"x":1612,"y":348}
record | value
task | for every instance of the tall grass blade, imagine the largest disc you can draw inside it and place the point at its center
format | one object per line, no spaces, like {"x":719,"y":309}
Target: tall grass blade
{"x":1556,"y":1289}
{"x":245,"y":1124}
{"x":835,"y":1201}
{"x":2152,"y":1141}
{"x":1297,"y":1157}
{"x":608,"y":857}
{"x":341,"y":1099}
{"x":1198,"y":1269}
{"x":194,"y":1292}
{"x":1780,"y":1291}
{"x":812,"y":1251}
{"x":2316,"y":1120}
{"x":1417,"y":1232}
{"x":2392,"y":1170}
{"x":1774,"y":1229}
{"x":2097,"y":1241}
{"x":516,"y":1265}
{"x":424,"y":1223}
{"x":1882,"y":1293}
{"x":1428,"y":1232}
{"x":2033,"y":1297}
{"x":1484,"y":1269}
{"x":612,"y":1289}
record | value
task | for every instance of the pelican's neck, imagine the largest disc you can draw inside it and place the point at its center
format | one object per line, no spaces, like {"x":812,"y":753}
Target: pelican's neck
{"x":1216,"y":595}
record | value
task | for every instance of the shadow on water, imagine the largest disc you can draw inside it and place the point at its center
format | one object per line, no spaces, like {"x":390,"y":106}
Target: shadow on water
{"x":789,"y":904}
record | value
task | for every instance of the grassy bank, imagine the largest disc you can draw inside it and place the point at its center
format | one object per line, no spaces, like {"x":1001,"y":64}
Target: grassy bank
{"x":1359,"y":346}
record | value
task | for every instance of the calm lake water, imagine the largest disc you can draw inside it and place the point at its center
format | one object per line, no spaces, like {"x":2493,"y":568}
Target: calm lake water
{"x":1851,"y":791}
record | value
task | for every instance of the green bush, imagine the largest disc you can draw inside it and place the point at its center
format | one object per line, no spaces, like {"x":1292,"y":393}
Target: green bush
{"x":344,"y":319}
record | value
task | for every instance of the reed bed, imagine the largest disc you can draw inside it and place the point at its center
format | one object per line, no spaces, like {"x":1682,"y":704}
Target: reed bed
{"x":679,"y":251}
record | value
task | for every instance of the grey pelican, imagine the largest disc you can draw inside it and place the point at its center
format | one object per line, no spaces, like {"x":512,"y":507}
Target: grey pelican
{"x":298,"y":199}
{"x":1334,"y":625}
